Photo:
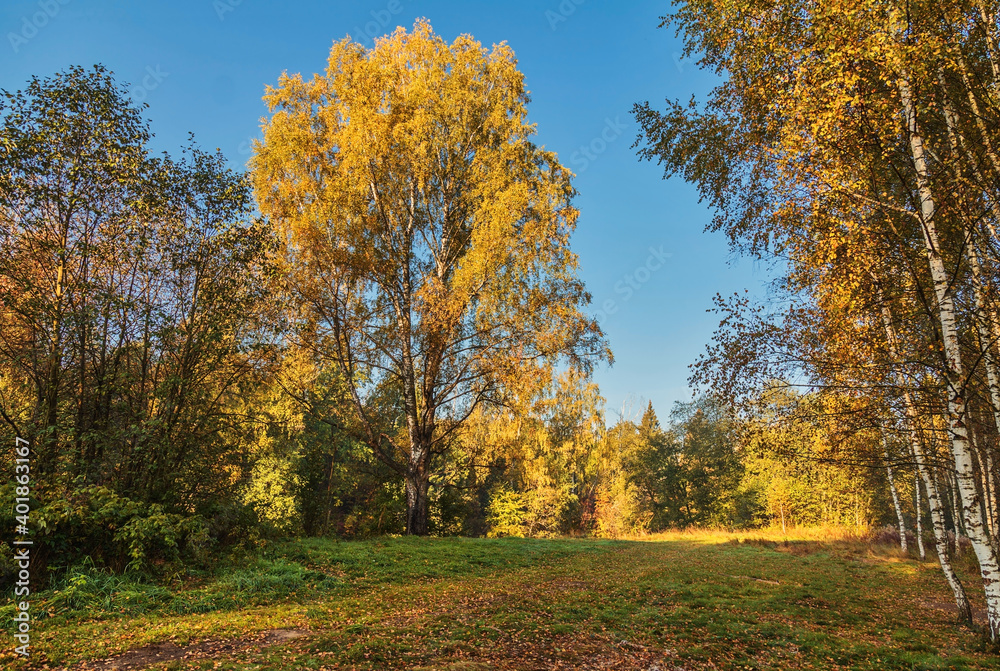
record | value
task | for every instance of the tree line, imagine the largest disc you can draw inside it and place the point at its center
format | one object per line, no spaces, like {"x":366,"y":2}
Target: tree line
{"x":380,"y":329}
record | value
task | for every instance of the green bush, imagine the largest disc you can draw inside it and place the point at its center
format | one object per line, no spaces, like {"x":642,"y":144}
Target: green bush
{"x":506,"y":514}
{"x":118,"y":532}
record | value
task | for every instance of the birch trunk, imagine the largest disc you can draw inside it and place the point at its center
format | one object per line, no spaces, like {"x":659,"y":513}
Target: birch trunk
{"x":984,"y":317}
{"x":894,"y":492}
{"x":986,"y":326}
{"x":923,"y":471}
{"x":986,"y":502}
{"x":417,"y":488}
{"x":956,"y":517}
{"x":965,"y":472}
{"x":919,"y":524}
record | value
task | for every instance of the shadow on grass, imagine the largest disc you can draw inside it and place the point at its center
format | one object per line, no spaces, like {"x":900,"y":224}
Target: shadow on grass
{"x":684,"y":599}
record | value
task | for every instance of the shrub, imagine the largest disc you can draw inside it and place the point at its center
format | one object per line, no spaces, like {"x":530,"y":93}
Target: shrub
{"x":117,"y":531}
{"x":506,"y":514}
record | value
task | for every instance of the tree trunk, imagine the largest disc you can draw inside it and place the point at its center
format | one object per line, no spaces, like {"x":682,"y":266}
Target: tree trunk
{"x":919,"y":523}
{"x":48,"y":457}
{"x":984,"y":322}
{"x":986,"y":501}
{"x":924,"y":472}
{"x":416,"y":505}
{"x":895,"y":494}
{"x":417,"y":485}
{"x":957,"y":410}
{"x":956,"y":515}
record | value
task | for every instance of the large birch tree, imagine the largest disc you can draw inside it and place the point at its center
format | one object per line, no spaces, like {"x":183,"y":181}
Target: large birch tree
{"x":427,"y":239}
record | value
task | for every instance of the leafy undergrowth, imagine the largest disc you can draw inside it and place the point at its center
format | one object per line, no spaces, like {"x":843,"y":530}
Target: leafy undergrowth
{"x":676,"y":601}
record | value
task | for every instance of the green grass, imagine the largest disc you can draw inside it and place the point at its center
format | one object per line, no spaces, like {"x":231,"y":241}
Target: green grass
{"x":680,"y":600}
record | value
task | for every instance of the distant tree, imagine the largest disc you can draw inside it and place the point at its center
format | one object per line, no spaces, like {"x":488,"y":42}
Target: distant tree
{"x":653,"y":469}
{"x":708,"y":459}
{"x":427,"y":239}
{"x":548,"y":456}
{"x":689,"y":474}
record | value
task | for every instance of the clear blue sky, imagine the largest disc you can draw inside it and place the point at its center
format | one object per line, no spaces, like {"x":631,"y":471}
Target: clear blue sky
{"x":202,"y":65}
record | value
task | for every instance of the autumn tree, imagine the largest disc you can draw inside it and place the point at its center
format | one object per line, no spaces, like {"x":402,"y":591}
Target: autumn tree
{"x":427,"y":239}
{"x":856,"y":143}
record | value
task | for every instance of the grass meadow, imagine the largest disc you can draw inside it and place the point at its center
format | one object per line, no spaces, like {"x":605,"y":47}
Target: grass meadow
{"x":808,"y":599}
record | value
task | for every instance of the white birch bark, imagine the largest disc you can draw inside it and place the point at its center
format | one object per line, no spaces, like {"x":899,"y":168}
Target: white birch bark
{"x":924,"y":473}
{"x":986,"y":325}
{"x":986,"y":502}
{"x":956,"y":508}
{"x":895,"y":494}
{"x":984,"y":316}
{"x":917,"y":511}
{"x":965,"y":472}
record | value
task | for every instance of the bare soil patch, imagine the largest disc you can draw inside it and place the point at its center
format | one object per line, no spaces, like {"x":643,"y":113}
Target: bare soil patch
{"x":979,"y":615}
{"x":146,"y":656}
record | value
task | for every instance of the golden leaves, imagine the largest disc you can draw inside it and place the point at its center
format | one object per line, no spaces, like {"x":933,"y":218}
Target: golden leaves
{"x":426,"y":235}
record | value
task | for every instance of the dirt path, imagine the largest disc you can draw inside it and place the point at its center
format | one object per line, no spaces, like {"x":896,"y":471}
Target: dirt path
{"x":598,"y":656}
{"x":141,"y":658}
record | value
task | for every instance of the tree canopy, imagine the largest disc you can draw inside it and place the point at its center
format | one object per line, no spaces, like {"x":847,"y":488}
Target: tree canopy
{"x":427,"y":239}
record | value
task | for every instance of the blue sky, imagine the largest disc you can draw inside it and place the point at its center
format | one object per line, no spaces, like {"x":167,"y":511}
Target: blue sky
{"x":201,"y":65}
